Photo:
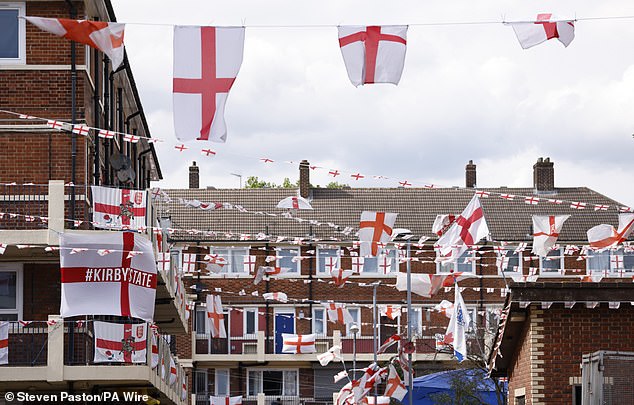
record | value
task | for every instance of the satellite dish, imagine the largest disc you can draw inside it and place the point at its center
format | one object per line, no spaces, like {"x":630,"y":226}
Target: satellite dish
{"x":126,"y":175}
{"x":120,"y":161}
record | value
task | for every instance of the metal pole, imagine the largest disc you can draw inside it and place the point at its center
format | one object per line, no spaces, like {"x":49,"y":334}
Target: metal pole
{"x":374,"y":343}
{"x":410,"y":381}
{"x":354,"y":355}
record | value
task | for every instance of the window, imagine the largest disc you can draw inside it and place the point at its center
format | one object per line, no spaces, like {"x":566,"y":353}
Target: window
{"x":201,"y":321}
{"x":221,"y":382}
{"x":10,"y":291}
{"x":417,"y":321}
{"x":272,"y":382}
{"x":234,"y":258}
{"x":250,"y":321}
{"x":285,"y":258}
{"x":356,"y":319}
{"x":459,"y":265}
{"x":319,"y":321}
{"x":374,"y":264}
{"x":12,"y":33}
{"x":322,"y":254}
{"x":513,"y":262}
{"x":619,"y":262}
{"x":552,"y":263}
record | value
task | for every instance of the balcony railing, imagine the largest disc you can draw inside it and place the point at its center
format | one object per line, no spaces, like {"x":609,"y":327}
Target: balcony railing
{"x":202,"y":398}
{"x":23,"y":206}
{"x":28,"y":344}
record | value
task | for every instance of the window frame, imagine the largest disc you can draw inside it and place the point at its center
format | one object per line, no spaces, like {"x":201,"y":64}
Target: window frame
{"x":520,"y":269}
{"x":394,"y":267}
{"x":229,"y":258}
{"x":418,"y":315}
{"x":245,"y":334}
{"x":613,"y":271}
{"x":260,"y":372}
{"x":323,"y":320}
{"x":357,"y":320}
{"x":458,"y":262}
{"x":21,"y":7}
{"x":562,"y":269}
{"x":298,"y":263}
{"x":228,"y":381}
{"x":322,"y":272}
{"x":18,"y":268}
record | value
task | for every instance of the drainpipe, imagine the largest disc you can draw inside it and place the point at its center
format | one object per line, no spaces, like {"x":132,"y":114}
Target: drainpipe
{"x":106,"y":117}
{"x":95,"y":119}
{"x":73,"y":81}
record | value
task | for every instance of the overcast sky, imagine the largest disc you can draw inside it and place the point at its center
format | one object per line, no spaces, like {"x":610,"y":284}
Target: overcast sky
{"x":467,"y":92}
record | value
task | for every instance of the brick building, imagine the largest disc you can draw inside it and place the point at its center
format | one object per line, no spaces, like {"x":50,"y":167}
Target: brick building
{"x":249,"y":361}
{"x":45,"y":179}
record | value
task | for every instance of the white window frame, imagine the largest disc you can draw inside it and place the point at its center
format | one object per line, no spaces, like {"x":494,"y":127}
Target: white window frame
{"x":244,"y":321}
{"x":322,"y":271}
{"x":460,"y":260}
{"x":352,"y":310}
{"x":418,"y":314}
{"x":18,"y":268}
{"x":228,"y":382}
{"x":21,"y":59}
{"x":323,"y":319}
{"x":298,"y":263}
{"x":228,"y":257}
{"x":283,"y":370}
{"x":394,"y":267}
{"x":550,"y":273}
{"x":519,"y":271}
{"x":613,"y":271}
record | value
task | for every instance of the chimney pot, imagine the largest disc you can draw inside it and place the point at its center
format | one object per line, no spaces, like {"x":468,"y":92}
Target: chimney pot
{"x":304,"y":178}
{"x":194,"y":176}
{"x":470,"y":175}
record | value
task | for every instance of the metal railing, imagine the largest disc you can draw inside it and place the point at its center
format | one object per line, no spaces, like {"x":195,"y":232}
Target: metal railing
{"x":23,"y":206}
{"x":28,"y":344}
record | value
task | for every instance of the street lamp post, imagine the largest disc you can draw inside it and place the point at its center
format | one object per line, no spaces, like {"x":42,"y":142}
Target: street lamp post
{"x":354,"y":329}
{"x":238,"y":176}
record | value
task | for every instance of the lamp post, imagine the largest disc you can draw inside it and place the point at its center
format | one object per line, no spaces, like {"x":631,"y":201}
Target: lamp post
{"x":238,"y":176}
{"x":354,"y":329}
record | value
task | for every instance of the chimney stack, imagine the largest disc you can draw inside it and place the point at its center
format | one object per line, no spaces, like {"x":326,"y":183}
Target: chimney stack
{"x":544,"y":175}
{"x":304,"y":179}
{"x":470,"y":175}
{"x":194,"y":176}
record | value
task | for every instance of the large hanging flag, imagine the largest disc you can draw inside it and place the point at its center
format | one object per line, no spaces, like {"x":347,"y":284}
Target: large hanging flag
{"x":605,"y":236}
{"x":394,"y":386}
{"x":375,"y":228}
{"x":4,"y":342}
{"x":546,"y":229}
{"x":154,"y":361}
{"x":458,"y":325}
{"x":298,"y":344}
{"x":115,"y":208}
{"x":465,"y":232}
{"x":172,"y":379}
{"x":105,"y":36}
{"x":345,"y":395}
{"x":121,"y":283}
{"x":215,"y":316}
{"x":373,"y":54}
{"x":226,"y":400}
{"x":206,"y":63}
{"x":545,"y":27}
{"x":120,"y":343}
{"x":372,"y":376}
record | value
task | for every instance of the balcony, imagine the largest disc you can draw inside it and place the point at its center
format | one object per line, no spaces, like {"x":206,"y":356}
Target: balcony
{"x":50,"y":357}
{"x":202,"y":398}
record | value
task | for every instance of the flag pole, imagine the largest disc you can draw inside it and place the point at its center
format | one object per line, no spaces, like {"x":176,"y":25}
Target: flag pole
{"x":409,"y":321}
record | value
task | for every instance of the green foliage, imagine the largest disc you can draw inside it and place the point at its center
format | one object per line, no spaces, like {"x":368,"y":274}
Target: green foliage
{"x":334,"y":184}
{"x":255,"y":182}
{"x":464,"y":391}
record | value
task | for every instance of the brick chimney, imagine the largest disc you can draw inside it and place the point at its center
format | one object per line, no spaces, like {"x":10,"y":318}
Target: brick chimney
{"x":304,"y":178}
{"x":544,"y":175}
{"x":470,"y":175}
{"x":194,"y":176}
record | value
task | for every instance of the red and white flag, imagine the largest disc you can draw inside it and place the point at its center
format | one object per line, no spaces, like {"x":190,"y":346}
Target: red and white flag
{"x":215,"y":263}
{"x":340,"y":276}
{"x":444,"y":307}
{"x":275,"y":296}
{"x":116,"y":284}
{"x":391,"y":311}
{"x":225,"y":400}
{"x":338,"y":313}
{"x":189,"y":262}
{"x":172,"y":379}
{"x":373,"y":54}
{"x":442,"y":223}
{"x":469,"y":228}
{"x":249,"y":263}
{"x":372,"y":375}
{"x":388,"y":343}
{"x":155,"y":352}
{"x":115,"y":208}
{"x":295,"y":203}
{"x":545,"y":27}
{"x":206,"y":63}
{"x":183,"y":387}
{"x":333,"y":354}
{"x":394,"y":386}
{"x":427,"y":285}
{"x":120,"y":343}
{"x":215,"y":316}
{"x":105,"y":36}
{"x":298,"y":344}
{"x":357,"y":263}
{"x":605,"y":236}
{"x":345,"y":395}
{"x":164,"y":261}
{"x":4,"y":342}
{"x":378,"y":400}
{"x":375,"y":228}
{"x":546,"y":229}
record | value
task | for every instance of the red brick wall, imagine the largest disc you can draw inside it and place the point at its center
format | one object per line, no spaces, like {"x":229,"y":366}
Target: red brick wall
{"x":520,"y":369}
{"x":42,"y":291}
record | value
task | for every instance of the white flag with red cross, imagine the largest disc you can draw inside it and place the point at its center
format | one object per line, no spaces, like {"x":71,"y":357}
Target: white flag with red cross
{"x":604,"y":236}
{"x":333,"y":354}
{"x":115,"y":208}
{"x":119,"y":283}
{"x":388,"y":343}
{"x":225,"y":400}
{"x":544,"y":27}
{"x":357,"y":263}
{"x":444,"y":307}
{"x":120,"y":343}
{"x":183,"y":387}
{"x":215,"y":316}
{"x":546,"y":229}
{"x":275,"y":296}
{"x":298,"y":344}
{"x":206,"y":63}
{"x":163,"y":261}
{"x":466,"y":231}
{"x":189,"y":263}
{"x":391,"y":311}
{"x":340,"y":276}
{"x":394,"y":386}
{"x":442,"y":223}
{"x":375,"y":228}
{"x":105,"y":36}
{"x":338,"y":313}
{"x":372,"y":376}
{"x":172,"y":379}
{"x":373,"y":54}
{"x":4,"y":342}
{"x":154,"y":361}
{"x":249,"y":262}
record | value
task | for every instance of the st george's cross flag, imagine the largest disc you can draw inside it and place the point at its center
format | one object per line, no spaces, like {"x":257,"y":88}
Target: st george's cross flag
{"x":388,"y":343}
{"x":122,"y":283}
{"x":544,"y":27}
{"x":391,"y":311}
{"x":120,"y":343}
{"x":604,"y":236}
{"x":4,"y":342}
{"x":154,"y":361}
{"x":333,"y":354}
{"x":340,"y":276}
{"x":338,"y":313}
{"x":215,"y":400}
{"x":206,"y":63}
{"x":373,"y":54}
{"x":105,"y":36}
{"x":546,"y":229}
{"x":374,"y":228}
{"x":298,"y":344}
{"x":215,"y":316}
{"x":115,"y":208}
{"x":456,"y":334}
{"x":470,"y":226}
{"x":394,"y":386}
{"x":172,"y":379}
